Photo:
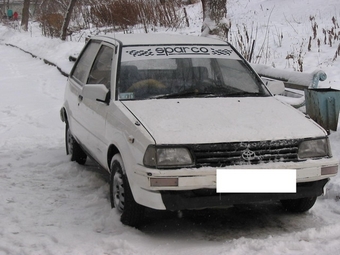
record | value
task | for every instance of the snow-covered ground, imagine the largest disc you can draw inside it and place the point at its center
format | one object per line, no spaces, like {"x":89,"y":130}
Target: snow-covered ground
{"x":49,"y":205}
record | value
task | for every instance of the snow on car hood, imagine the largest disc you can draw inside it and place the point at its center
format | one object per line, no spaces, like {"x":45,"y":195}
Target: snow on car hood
{"x":216,"y":120}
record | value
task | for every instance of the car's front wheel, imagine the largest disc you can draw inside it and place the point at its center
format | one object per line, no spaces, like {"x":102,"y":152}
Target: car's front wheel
{"x":73,"y":149}
{"x":121,"y":196}
{"x":299,"y":205}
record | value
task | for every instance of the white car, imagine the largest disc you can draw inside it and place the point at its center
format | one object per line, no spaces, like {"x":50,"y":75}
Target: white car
{"x":161,"y":113}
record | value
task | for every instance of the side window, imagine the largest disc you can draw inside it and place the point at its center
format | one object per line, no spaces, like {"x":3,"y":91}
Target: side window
{"x":101,"y":69}
{"x":82,"y":68}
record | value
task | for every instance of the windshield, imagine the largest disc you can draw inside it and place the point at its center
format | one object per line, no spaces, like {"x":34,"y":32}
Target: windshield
{"x":186,"y":77}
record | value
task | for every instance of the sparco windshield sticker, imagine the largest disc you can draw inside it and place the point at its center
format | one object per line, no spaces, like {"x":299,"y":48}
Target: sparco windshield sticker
{"x":199,"y":51}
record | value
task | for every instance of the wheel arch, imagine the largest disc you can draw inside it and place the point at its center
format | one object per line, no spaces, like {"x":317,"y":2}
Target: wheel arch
{"x":113,"y":150}
{"x":63,"y":115}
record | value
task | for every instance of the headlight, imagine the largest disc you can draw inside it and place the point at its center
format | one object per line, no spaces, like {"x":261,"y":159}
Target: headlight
{"x":167,"y":157}
{"x":314,"y":149}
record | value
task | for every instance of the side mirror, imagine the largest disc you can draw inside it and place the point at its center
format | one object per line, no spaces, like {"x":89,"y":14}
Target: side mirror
{"x":96,"y":92}
{"x":275,"y":87}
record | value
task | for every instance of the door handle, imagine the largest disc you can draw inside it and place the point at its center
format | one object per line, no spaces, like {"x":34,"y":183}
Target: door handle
{"x":80,"y":98}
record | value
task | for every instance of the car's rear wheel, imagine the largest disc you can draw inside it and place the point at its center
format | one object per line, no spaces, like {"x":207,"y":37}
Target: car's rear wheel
{"x":121,"y":196}
{"x":73,"y":149}
{"x":299,"y":205}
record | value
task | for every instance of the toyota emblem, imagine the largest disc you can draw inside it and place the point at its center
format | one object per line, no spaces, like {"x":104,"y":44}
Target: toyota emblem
{"x":248,"y":155}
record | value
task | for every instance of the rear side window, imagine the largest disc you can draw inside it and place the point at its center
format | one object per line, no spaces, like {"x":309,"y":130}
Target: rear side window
{"x":84,"y":63}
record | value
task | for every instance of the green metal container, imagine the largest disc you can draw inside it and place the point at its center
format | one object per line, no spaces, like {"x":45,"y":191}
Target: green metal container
{"x":322,"y":105}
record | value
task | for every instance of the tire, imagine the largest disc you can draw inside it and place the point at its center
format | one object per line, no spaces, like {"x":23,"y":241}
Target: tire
{"x":298,"y":205}
{"x":121,"y":196}
{"x":73,"y":148}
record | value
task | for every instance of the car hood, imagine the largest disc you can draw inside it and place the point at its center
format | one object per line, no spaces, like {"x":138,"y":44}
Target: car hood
{"x":217,"y":120}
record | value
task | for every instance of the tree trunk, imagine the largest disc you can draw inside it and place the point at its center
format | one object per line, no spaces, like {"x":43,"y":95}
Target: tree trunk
{"x":35,"y":7}
{"x":25,"y":15}
{"x":214,"y":18}
{"x":67,"y":19}
{"x":4,"y":9}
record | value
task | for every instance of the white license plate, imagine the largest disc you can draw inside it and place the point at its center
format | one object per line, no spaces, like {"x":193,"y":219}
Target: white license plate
{"x":256,"y":180}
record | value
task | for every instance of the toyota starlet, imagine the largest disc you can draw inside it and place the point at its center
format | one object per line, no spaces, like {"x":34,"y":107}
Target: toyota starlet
{"x":163,"y":113}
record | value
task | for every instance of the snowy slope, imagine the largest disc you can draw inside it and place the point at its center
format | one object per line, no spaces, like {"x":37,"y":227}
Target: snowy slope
{"x":49,"y":205}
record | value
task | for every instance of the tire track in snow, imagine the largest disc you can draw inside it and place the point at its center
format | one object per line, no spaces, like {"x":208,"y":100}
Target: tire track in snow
{"x":26,"y":99}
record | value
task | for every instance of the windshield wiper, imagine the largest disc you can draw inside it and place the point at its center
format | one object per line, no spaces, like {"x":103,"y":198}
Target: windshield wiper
{"x":245,"y":94}
{"x":216,"y":93}
{"x":184,"y":94}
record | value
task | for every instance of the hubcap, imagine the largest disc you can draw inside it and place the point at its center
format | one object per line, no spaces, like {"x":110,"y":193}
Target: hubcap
{"x":118,"y":191}
{"x":69,"y":142}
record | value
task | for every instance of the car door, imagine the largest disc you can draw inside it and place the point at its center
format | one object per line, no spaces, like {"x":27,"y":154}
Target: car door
{"x":93,"y":112}
{"x":73,"y":94}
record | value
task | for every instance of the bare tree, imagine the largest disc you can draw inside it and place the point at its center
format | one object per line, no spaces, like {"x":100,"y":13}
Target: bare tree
{"x":35,"y":7}
{"x":4,"y":8}
{"x":214,"y":18}
{"x":67,"y":19}
{"x":25,"y":15}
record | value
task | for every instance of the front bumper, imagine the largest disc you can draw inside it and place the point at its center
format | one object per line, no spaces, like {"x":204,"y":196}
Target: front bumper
{"x":205,"y":177}
{"x":189,"y":188}
{"x":208,"y":198}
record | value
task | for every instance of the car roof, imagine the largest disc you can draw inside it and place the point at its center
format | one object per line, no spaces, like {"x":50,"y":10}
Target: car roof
{"x":158,"y":39}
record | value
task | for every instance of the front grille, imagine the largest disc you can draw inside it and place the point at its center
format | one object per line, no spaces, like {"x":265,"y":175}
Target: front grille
{"x":245,"y":153}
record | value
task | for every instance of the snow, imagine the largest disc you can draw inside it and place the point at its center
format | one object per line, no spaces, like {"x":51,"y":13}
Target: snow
{"x":49,"y":205}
